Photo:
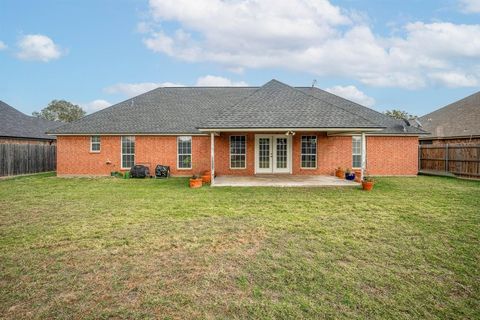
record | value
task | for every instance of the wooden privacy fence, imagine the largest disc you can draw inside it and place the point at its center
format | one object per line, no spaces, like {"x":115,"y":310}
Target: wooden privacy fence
{"x":459,"y":159}
{"x":24,"y":158}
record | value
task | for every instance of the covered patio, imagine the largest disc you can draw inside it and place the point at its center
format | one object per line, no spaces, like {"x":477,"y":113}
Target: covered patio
{"x":282,"y":180}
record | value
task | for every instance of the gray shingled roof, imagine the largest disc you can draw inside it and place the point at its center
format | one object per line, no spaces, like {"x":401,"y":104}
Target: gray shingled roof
{"x":163,"y":110}
{"x":392,"y":126}
{"x":277,"y":105}
{"x":15,"y":124}
{"x":458,"y":119}
{"x":183,"y":110}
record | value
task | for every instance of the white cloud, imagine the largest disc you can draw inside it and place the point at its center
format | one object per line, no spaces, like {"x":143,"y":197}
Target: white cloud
{"x":455,"y":79}
{"x":134,"y":89}
{"x":311,"y":36}
{"x":215,"y":81}
{"x":353,"y":94}
{"x":3,"y":46}
{"x":95,"y":105}
{"x":38,"y":47}
{"x":470,"y":6}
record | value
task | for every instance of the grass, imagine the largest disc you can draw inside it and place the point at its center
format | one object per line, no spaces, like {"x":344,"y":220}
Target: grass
{"x":113,"y":248}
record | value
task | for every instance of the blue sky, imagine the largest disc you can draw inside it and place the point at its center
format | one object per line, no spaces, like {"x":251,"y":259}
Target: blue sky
{"x":414,"y":55}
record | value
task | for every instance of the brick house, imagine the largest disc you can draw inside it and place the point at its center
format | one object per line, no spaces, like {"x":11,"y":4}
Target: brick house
{"x":456,"y":123}
{"x":272,"y":129}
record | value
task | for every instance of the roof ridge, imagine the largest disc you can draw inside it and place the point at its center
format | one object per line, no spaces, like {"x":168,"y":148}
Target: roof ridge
{"x":297,"y":91}
{"x":236,"y":103}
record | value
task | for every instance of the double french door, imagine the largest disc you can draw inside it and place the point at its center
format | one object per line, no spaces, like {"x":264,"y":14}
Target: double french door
{"x":273,"y":153}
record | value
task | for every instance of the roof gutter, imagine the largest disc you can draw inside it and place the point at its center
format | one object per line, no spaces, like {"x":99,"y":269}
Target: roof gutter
{"x":128,"y":134}
{"x":289,"y":129}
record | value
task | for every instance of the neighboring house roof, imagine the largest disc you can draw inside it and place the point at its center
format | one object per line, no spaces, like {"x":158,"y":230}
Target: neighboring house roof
{"x":15,"y":124}
{"x":458,"y":119}
{"x":185,"y":110}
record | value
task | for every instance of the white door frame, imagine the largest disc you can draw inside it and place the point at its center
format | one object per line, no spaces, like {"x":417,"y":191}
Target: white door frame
{"x":273,"y":154}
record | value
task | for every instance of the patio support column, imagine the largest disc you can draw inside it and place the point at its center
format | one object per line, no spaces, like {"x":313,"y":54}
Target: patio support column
{"x":212,"y":157}
{"x":364,"y":154}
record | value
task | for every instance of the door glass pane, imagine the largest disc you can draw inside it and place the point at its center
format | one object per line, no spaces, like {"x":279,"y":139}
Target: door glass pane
{"x":281,"y":153}
{"x":264,"y":153}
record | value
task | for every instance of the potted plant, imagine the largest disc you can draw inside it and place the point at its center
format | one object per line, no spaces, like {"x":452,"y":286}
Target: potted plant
{"x":367,"y":183}
{"x":195,"y":181}
{"x":358,"y":175}
{"x":207,"y":176}
{"x":340,"y":173}
{"x":349,"y":175}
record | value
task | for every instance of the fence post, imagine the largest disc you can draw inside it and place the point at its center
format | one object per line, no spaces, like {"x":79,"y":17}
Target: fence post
{"x":446,"y":157}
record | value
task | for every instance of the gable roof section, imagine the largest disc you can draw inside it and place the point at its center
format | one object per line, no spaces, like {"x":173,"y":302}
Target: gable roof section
{"x":183,"y":110}
{"x":458,"y":119}
{"x":277,"y":105}
{"x":15,"y":124}
{"x":392,"y":126}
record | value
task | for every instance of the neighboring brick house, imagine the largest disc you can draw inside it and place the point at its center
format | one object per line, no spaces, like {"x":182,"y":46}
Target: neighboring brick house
{"x":458,"y":122}
{"x":16,"y":127}
{"x":273,"y":129}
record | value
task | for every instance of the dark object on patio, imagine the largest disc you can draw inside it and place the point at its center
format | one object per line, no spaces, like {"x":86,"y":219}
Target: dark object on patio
{"x":350,"y":176}
{"x":139,"y":171}
{"x":162,"y":171}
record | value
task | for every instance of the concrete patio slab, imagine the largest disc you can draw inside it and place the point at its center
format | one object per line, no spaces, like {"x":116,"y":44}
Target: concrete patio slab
{"x":282,"y":181}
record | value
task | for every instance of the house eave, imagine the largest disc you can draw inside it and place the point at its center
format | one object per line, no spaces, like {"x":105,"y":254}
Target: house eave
{"x":376,"y":134}
{"x":129,"y":134}
{"x":219,"y":129}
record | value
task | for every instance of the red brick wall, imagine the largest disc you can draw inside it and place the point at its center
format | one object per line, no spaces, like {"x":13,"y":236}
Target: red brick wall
{"x":332,"y":152}
{"x":153,"y":150}
{"x":222,"y":155}
{"x":74,"y":156}
{"x":392,"y":155}
{"x":385,"y":155}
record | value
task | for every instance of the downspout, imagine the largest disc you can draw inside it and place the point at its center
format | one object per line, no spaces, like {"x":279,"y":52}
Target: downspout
{"x":364,"y":154}
{"x":212,"y":158}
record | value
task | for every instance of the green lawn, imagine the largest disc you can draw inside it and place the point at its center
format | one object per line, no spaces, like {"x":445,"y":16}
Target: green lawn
{"x":114,"y":248}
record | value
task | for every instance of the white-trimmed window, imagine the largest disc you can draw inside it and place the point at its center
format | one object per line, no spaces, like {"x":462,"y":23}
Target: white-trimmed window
{"x":128,"y":152}
{"x":356,"y":151}
{"x":95,"y":144}
{"x":238,"y":152}
{"x":184,"y":151}
{"x":309,"y":152}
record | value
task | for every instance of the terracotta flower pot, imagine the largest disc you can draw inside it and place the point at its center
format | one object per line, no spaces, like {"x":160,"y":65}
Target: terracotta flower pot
{"x":367,"y":185}
{"x":207,"y":178}
{"x":195,"y":183}
{"x":358,"y":175}
{"x":340,"y":173}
